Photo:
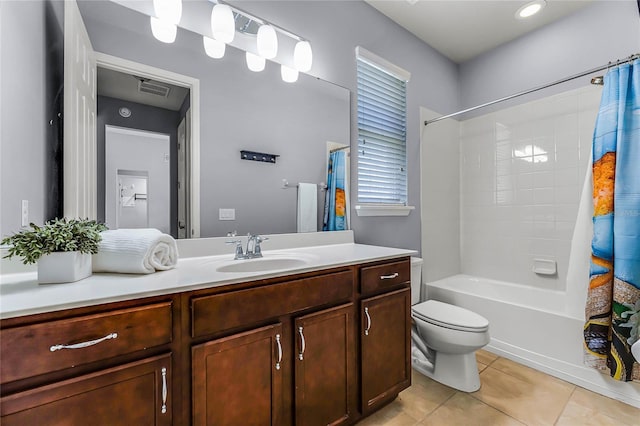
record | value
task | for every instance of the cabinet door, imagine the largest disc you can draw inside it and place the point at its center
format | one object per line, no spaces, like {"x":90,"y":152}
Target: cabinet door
{"x":325,"y":367}
{"x":237,"y":380}
{"x":132,"y":394}
{"x":386,"y":344}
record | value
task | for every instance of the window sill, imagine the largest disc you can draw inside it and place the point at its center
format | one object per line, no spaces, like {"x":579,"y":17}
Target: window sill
{"x":383,"y":210}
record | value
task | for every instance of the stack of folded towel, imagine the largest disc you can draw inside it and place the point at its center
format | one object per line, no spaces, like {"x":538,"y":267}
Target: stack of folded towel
{"x":135,"y":251}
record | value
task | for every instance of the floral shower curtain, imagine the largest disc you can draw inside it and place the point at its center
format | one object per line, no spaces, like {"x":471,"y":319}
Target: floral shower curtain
{"x":613,"y":301}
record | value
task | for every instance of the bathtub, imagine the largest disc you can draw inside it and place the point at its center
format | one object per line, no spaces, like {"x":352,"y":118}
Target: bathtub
{"x":535,"y":327}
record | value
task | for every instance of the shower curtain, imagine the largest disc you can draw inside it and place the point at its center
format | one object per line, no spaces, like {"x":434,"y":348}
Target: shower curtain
{"x":613,"y":301}
{"x":335,"y":210}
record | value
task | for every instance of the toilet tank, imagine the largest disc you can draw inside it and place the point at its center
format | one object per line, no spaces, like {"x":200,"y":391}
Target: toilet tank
{"x":416,"y":279}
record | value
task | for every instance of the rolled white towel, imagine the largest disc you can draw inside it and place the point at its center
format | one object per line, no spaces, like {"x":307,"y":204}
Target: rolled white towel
{"x":135,"y":251}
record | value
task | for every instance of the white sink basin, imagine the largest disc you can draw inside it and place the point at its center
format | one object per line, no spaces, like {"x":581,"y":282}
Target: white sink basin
{"x":262,"y":264}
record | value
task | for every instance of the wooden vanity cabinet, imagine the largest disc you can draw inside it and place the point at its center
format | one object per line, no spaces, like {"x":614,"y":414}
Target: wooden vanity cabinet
{"x":103,"y":366}
{"x":385,"y":338}
{"x":324,"y":359}
{"x":318,"y":348}
{"x":238,"y":379}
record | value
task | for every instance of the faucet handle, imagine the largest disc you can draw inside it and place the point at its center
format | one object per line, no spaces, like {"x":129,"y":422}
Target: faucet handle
{"x":257,"y":250}
{"x":239,"y":252}
{"x":232,"y":233}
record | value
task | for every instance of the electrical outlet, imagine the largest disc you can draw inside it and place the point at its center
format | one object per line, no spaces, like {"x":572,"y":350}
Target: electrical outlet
{"x":226,"y":214}
{"x":25,"y":213}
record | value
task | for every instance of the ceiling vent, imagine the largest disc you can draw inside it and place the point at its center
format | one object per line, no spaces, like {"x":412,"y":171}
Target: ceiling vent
{"x":153,"y":88}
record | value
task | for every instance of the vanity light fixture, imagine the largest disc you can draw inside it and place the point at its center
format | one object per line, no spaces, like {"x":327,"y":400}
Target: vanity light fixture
{"x":223,"y":25}
{"x":164,"y":25}
{"x":289,"y":75}
{"x":163,"y":31}
{"x":214,"y":48}
{"x":267,"y":41}
{"x":530,"y":9}
{"x":255,"y":63}
{"x":302,"y":56}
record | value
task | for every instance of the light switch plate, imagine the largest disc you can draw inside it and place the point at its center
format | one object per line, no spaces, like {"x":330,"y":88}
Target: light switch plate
{"x":227,"y":214}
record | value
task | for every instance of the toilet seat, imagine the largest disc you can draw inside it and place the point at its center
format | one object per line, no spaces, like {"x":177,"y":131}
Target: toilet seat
{"x":449,"y":316}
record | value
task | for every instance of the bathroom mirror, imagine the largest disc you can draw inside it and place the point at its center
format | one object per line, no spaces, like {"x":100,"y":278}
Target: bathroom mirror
{"x":239,"y":110}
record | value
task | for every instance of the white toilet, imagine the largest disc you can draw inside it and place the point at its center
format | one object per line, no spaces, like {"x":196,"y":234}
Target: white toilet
{"x":444,"y":338}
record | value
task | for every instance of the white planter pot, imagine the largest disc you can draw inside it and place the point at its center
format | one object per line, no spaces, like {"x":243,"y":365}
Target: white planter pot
{"x":63,"y":267}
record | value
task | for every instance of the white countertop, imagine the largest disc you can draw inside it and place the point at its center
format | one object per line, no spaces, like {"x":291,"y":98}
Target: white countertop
{"x":20,"y":293}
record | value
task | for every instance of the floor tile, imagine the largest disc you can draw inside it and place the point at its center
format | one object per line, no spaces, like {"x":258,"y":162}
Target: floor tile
{"x":462,"y":409}
{"x":485,"y":357}
{"x":481,"y":366}
{"x":420,"y":400}
{"x":589,"y":408}
{"x":528,"y":374}
{"x":391,"y":415}
{"x":523,"y":398}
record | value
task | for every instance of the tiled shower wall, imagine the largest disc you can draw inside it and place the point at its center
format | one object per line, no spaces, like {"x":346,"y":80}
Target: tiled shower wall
{"x":521,"y":176}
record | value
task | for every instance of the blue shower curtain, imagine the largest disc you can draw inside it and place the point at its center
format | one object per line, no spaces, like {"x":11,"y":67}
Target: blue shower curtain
{"x":335,"y":204}
{"x":613,"y":302}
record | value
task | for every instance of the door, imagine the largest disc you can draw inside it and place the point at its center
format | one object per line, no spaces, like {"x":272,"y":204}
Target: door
{"x":237,"y":380}
{"x":142,"y":154}
{"x":325,"y":367}
{"x":132,"y":394}
{"x":182,"y":179}
{"x":385,"y":347}
{"x":79,"y":146}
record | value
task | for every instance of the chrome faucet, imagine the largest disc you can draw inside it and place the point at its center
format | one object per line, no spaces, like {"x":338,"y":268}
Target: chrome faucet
{"x":253,"y":246}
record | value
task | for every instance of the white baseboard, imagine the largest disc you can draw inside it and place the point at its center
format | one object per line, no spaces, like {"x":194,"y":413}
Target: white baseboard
{"x":588,"y":378}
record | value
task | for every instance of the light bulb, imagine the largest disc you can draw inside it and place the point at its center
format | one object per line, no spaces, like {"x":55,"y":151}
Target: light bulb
{"x":223,"y":26}
{"x":289,"y":75}
{"x":255,"y":63}
{"x":163,"y":31}
{"x":214,"y":48}
{"x":530,"y":9}
{"x":168,"y":10}
{"x":267,"y":41}
{"x":302,"y":56}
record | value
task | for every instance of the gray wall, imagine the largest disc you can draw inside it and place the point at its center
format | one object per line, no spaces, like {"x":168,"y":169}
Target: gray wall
{"x":603,"y":32}
{"x":143,"y":117}
{"x":29,"y":32}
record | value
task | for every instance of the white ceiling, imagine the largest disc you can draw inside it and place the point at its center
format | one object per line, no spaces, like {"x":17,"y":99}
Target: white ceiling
{"x":463,"y":29}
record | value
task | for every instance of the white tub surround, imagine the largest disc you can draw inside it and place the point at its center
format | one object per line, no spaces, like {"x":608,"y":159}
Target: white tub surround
{"x":536,"y":327}
{"x":198,"y":267}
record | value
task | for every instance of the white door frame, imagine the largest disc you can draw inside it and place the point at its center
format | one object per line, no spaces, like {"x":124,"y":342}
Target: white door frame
{"x":193,"y":84}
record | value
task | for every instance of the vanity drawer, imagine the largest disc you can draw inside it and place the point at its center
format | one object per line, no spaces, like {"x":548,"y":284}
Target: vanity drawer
{"x":40,"y":348}
{"x":374,"y":279}
{"x":211,"y":314}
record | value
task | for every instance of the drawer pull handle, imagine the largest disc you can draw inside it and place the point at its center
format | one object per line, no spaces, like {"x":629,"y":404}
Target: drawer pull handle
{"x":164,"y":390}
{"x":389,"y":277}
{"x":279,"y":351}
{"x":302,"y":343}
{"x":366,"y":313}
{"x":84,"y":344}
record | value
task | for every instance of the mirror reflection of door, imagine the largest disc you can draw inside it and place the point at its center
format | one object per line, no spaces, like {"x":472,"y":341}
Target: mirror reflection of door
{"x":141,"y":104}
{"x":137,"y":169}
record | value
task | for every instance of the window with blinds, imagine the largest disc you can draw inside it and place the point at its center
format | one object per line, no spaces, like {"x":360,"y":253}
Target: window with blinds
{"x":382,"y":130}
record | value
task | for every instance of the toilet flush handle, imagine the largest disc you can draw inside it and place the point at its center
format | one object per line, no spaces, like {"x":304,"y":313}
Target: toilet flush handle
{"x":366,"y":330}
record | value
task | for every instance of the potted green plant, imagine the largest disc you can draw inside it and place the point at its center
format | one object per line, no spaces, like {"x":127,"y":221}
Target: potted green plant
{"x":61,"y":247}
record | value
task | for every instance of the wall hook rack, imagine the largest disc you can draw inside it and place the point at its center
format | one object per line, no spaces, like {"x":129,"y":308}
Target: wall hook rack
{"x":258,"y":156}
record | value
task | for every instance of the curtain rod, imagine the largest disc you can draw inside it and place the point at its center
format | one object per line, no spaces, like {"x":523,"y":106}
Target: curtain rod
{"x":340,"y":149}
{"x":535,"y":89}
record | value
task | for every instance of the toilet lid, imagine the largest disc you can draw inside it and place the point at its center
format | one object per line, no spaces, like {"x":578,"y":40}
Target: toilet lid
{"x":449,"y":316}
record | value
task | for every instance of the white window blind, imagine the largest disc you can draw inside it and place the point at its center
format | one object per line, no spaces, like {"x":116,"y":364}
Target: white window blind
{"x":382,"y":116}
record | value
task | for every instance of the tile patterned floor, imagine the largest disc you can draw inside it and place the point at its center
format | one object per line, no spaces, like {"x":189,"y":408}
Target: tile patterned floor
{"x":511,"y":394}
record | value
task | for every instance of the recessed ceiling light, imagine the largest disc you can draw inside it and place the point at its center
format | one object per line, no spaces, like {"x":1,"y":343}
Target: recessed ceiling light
{"x":530,"y":9}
